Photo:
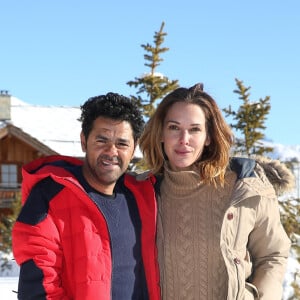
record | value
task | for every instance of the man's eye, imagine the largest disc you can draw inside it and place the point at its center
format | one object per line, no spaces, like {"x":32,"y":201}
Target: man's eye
{"x":101,"y":140}
{"x":123,"y":145}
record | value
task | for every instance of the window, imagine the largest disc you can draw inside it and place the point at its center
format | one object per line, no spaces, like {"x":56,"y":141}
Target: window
{"x":9,"y":175}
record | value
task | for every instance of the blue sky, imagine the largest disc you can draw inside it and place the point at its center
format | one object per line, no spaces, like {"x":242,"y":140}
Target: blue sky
{"x":62,"y":52}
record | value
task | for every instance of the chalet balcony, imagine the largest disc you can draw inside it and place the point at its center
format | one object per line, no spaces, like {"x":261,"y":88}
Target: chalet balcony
{"x":8,"y":196}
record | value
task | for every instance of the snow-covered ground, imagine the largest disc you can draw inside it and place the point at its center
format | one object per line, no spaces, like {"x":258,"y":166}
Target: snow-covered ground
{"x":9,"y":280}
{"x":8,"y":288}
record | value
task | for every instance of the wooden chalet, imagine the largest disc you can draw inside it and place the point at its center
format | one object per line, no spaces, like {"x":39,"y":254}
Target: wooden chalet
{"x":22,"y":127}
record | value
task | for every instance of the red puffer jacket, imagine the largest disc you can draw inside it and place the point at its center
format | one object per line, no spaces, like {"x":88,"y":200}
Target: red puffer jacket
{"x":64,"y":244}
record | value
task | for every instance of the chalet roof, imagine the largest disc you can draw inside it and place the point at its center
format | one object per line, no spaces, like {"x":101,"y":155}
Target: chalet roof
{"x":10,"y":129}
{"x":57,"y":127}
{"x":52,"y":129}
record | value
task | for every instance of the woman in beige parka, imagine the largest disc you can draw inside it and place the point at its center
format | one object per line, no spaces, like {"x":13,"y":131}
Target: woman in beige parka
{"x":219,"y":233}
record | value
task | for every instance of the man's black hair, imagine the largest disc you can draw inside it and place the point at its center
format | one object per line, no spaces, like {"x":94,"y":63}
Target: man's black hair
{"x":112,"y":106}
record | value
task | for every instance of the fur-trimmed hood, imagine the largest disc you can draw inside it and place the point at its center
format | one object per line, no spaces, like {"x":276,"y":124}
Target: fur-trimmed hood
{"x":278,"y":174}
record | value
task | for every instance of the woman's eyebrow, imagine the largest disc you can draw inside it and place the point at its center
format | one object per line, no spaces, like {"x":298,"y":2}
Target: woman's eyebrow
{"x":176,"y":122}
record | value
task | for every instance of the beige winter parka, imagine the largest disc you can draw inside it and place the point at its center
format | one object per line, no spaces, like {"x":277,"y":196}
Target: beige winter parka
{"x":252,"y":221}
{"x":253,"y":242}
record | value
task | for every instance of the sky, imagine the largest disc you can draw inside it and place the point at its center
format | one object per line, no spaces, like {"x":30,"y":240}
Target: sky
{"x":63,"y":52}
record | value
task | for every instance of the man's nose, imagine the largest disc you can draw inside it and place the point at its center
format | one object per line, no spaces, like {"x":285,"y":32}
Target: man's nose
{"x":111,"y":148}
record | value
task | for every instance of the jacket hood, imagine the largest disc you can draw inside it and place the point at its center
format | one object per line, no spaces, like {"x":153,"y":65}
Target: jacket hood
{"x":278,"y":174}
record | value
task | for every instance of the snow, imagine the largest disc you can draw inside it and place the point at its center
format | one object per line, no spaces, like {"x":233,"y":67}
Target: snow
{"x":8,"y":288}
{"x":57,"y":127}
{"x":9,"y":279}
{"x":293,"y":267}
{"x":284,"y":152}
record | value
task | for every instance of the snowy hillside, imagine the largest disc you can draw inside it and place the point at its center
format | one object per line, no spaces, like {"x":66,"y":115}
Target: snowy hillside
{"x":283,"y":152}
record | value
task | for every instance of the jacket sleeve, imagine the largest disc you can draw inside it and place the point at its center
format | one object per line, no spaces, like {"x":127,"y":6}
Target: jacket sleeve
{"x":37,"y":247}
{"x":269,"y":246}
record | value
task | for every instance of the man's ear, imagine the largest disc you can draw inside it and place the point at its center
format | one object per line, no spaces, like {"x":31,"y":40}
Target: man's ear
{"x":83,"y":142}
{"x":134,"y":150}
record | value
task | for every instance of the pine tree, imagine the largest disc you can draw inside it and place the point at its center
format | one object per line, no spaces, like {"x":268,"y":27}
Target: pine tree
{"x":6,"y":224}
{"x":153,"y":84}
{"x":249,"y":121}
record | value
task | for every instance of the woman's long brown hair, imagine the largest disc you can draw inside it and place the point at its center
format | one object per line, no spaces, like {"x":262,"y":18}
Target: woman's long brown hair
{"x":215,"y":157}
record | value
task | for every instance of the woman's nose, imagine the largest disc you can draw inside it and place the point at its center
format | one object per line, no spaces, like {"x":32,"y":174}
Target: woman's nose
{"x":184,"y":138}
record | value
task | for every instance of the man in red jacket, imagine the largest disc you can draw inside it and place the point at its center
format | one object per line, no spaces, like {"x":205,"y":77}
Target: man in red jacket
{"x":87,"y":228}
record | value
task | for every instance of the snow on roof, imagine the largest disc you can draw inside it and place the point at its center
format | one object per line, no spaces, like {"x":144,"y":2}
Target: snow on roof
{"x":55,"y":126}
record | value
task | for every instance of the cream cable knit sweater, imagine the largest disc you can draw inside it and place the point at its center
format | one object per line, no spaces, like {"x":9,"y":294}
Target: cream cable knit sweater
{"x":189,"y":225}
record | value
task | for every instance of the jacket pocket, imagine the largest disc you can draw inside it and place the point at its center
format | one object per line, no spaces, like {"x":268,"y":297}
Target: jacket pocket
{"x":251,"y":292}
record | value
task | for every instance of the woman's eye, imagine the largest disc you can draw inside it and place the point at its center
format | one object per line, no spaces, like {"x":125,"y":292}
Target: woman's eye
{"x":173,"y":127}
{"x":195,"y":129}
